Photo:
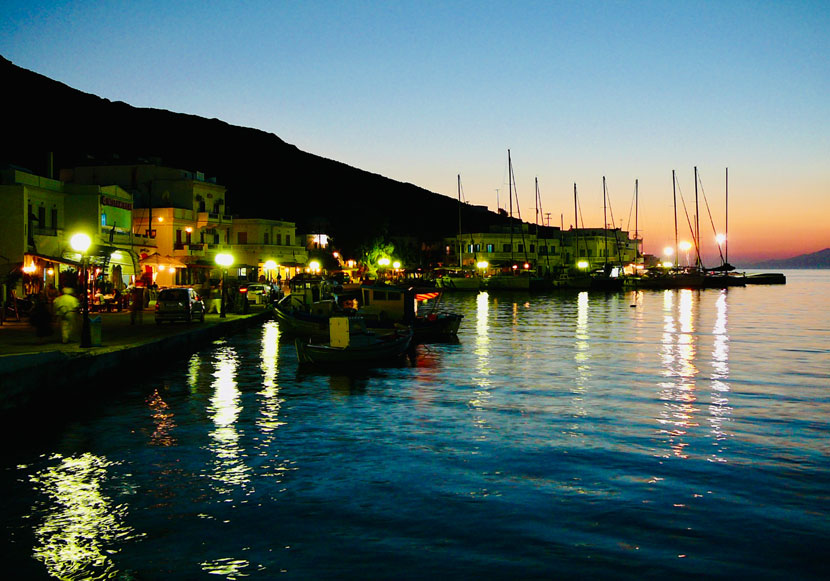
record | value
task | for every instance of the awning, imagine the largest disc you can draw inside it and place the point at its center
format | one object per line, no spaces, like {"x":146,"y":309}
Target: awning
{"x":159,"y":260}
{"x":62,"y":260}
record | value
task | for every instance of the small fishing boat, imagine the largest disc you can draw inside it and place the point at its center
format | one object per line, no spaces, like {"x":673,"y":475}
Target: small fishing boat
{"x":384,"y":306}
{"x":352,"y":344}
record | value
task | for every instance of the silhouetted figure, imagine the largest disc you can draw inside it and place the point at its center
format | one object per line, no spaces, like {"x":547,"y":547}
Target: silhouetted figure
{"x":66,"y":309}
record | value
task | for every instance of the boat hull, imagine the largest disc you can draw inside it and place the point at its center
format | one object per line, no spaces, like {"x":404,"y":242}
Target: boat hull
{"x":371,"y":350}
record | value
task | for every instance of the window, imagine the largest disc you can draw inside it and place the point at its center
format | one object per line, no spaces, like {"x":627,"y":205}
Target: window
{"x":54,"y":218}
{"x":178,"y":236}
{"x":506,"y":248}
{"x":287,"y":240}
{"x":241,"y":237}
{"x":532,"y":248}
{"x":279,"y":239}
{"x":490,"y":248}
{"x":478,"y":247}
{"x":103,"y":219}
{"x":41,"y":217}
{"x":469,"y":248}
{"x":394,"y":296}
{"x":520,"y":248}
{"x":265,"y":238}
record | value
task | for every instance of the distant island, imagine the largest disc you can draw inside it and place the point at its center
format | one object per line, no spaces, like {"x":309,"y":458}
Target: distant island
{"x":820,"y":259}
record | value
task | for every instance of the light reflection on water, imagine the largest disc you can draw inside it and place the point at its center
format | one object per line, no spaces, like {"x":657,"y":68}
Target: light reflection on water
{"x":79,"y":528}
{"x":590,"y":435}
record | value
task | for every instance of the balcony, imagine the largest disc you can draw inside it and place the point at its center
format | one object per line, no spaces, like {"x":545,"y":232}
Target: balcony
{"x":212,"y":219}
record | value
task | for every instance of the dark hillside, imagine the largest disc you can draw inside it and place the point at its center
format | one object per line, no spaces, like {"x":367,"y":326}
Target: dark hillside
{"x":265,"y":176}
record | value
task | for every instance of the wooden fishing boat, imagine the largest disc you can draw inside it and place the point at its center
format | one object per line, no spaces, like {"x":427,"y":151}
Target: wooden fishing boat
{"x":352,"y":344}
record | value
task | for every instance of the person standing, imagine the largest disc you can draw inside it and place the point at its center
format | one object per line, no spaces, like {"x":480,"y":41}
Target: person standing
{"x":66,"y":309}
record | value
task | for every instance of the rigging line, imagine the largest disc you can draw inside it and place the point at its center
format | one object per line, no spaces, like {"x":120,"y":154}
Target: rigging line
{"x":685,"y":211}
{"x":711,"y":220}
{"x":631,"y":209}
{"x":613,"y":227}
{"x":519,"y":212}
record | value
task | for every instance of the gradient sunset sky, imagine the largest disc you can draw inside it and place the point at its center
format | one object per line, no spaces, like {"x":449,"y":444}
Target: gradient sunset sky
{"x":423,"y":91}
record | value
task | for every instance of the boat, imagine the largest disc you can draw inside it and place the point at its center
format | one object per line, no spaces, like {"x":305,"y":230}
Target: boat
{"x":350,"y":343}
{"x":458,"y":280}
{"x":383,"y":306}
{"x":309,"y":306}
{"x":765,"y":278}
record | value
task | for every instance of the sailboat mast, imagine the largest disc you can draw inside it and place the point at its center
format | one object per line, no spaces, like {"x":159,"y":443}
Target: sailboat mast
{"x":604,"y":223}
{"x":510,"y":192}
{"x":674,"y":195}
{"x":460,"y":241}
{"x":726,"y":242}
{"x":697,"y":225}
{"x":636,"y":224}
{"x":576,"y":227}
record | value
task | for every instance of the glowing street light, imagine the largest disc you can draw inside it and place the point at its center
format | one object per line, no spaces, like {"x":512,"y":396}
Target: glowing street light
{"x":668,"y":251}
{"x":396,"y":265}
{"x":384,"y":261}
{"x":80,"y":243}
{"x":583,"y":264}
{"x":224,"y":260}
{"x":314,"y":266}
{"x":685,"y":246}
{"x":720,"y":238}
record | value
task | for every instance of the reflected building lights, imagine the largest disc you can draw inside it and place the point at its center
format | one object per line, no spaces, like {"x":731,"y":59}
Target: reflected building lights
{"x":229,"y":469}
{"x":81,"y":528}
{"x":678,"y":354}
{"x":582,"y":357}
{"x":163,"y":420}
{"x":719,"y":408}
{"x":482,"y":351}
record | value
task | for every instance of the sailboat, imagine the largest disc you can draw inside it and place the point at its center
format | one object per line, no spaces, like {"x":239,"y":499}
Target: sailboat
{"x":514,"y":277}
{"x":720,"y":276}
{"x":459,"y":279}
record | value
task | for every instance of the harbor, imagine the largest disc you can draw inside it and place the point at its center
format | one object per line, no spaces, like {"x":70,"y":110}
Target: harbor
{"x":638,"y":434}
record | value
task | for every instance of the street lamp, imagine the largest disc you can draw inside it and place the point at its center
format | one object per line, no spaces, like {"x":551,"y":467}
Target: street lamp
{"x":223,"y":260}
{"x":81,"y":243}
{"x":270,"y":266}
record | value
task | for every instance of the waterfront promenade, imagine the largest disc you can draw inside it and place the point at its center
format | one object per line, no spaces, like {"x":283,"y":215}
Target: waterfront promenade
{"x":31,"y":367}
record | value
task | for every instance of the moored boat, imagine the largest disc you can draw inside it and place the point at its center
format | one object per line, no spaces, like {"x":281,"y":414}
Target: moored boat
{"x":765,"y":278}
{"x":384,"y":306}
{"x":352,"y":344}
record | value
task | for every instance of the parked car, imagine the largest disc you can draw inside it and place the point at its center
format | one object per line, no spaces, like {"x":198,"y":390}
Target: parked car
{"x":258,"y":293}
{"x":179,"y":304}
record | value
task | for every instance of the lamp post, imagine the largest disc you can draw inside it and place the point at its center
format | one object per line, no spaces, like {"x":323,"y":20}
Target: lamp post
{"x":80,"y":243}
{"x":223,"y":260}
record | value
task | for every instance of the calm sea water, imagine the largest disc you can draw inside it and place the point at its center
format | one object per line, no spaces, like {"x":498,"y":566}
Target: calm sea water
{"x":651,"y":434}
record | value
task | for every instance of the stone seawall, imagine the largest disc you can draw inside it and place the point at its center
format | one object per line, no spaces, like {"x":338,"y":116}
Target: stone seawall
{"x":51,"y":379}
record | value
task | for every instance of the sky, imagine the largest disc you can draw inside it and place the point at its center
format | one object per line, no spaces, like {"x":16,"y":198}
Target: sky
{"x":424,"y":91}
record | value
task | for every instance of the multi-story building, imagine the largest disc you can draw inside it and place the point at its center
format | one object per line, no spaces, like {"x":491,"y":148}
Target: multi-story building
{"x":547,"y":250}
{"x":42,"y":214}
{"x":267,"y":248}
{"x":180,"y":210}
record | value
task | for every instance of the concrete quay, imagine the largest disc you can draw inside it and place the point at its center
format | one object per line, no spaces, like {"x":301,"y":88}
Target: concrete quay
{"x":49,"y":373}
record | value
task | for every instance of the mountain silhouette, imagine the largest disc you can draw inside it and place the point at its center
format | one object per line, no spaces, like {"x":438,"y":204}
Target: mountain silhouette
{"x":820,"y":259}
{"x":265,"y":176}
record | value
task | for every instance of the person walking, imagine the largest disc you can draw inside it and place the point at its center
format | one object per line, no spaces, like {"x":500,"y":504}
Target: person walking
{"x":66,"y":309}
